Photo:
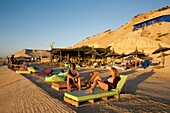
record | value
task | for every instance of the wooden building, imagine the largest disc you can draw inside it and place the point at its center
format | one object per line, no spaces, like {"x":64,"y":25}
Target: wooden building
{"x":66,"y":54}
{"x":163,"y":18}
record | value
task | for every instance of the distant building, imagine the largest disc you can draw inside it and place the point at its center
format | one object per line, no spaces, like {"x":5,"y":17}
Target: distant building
{"x":163,"y":18}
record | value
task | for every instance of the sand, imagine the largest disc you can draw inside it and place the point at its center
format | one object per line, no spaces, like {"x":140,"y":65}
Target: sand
{"x":145,"y":91}
{"x":19,"y":95}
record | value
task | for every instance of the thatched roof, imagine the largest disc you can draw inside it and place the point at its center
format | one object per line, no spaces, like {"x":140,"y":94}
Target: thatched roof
{"x":29,"y":53}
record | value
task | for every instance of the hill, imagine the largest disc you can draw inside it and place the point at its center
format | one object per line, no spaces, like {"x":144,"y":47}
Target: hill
{"x":126,"y":39}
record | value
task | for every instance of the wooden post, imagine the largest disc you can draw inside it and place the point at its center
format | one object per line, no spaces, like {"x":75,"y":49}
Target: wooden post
{"x":135,"y":61}
{"x":60,"y":58}
{"x":91,"y":101}
{"x":162,"y":58}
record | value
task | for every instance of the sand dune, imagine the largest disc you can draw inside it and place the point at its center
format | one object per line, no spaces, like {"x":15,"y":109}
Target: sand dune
{"x":155,"y":33}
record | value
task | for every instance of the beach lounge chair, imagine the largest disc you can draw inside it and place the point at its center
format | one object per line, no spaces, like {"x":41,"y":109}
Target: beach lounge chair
{"x":76,"y":97}
{"x":60,"y":85}
{"x":22,"y":72}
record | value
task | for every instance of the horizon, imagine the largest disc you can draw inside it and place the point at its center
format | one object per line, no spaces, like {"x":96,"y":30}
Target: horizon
{"x":36,"y":24}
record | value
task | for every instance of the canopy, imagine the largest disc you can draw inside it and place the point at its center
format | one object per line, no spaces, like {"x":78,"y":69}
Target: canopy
{"x":93,"y":52}
{"x":136,"y":52}
{"x":122,"y":55}
{"x":161,"y":49}
{"x":112,"y":53}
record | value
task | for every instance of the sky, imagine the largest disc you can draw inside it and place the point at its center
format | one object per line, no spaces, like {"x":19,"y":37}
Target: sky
{"x":35,"y":24}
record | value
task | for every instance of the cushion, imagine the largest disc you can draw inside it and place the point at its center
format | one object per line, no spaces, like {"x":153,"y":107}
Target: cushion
{"x":39,"y":74}
{"x":82,"y":96}
{"x":55,"y":78}
{"x":32,"y":69}
{"x":58,"y":71}
{"x":47,"y":70}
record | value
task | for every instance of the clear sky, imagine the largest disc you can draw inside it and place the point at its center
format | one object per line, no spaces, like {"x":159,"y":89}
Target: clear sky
{"x":34,"y":24}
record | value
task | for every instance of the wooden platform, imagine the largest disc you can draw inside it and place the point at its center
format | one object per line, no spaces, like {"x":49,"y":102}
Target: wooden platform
{"x":14,"y":66}
{"x":59,"y":85}
{"x":76,"y":97}
{"x":22,"y":72}
{"x":158,"y":67}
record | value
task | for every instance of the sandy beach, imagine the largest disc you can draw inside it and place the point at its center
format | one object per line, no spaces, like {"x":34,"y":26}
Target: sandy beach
{"x":145,"y":91}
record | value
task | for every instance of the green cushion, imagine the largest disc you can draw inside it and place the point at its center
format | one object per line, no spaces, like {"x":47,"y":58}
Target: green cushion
{"x":67,"y":65}
{"x":121,"y":83}
{"x":56,"y":78}
{"x":58,"y":71}
{"x":82,"y":96}
{"x":97,"y":92}
{"x":32,"y":69}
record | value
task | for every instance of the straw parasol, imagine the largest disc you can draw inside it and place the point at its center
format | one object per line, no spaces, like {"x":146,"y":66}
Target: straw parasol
{"x":112,"y":53}
{"x":161,"y":50}
{"x":136,"y":53}
{"x":130,"y":58}
{"x":93,"y":52}
{"x":122,"y":55}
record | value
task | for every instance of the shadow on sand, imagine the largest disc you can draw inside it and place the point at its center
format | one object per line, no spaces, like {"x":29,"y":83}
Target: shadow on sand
{"x":132,"y":84}
{"x":128,"y":72}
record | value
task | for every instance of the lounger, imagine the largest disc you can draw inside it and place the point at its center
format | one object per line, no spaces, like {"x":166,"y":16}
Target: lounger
{"x":60,"y":85}
{"x":22,"y":72}
{"x":75,"y":97}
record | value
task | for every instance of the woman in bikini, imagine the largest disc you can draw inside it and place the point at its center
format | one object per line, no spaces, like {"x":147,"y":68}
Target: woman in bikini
{"x":109,"y":84}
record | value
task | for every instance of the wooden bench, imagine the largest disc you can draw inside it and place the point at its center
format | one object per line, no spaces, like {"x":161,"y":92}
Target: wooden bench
{"x":60,"y":85}
{"x":76,"y":97}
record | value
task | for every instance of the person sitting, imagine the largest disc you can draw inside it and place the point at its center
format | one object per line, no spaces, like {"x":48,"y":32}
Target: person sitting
{"x":13,"y":60}
{"x":73,"y":76}
{"x":109,"y":84}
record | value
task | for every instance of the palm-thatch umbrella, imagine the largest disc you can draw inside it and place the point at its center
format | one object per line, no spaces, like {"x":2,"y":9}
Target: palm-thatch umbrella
{"x":130,"y":58}
{"x":93,"y":52}
{"x":161,"y":50}
{"x":112,"y":54}
{"x":164,"y":54}
{"x":122,"y":55}
{"x":107,"y":50}
{"x":137,"y":53}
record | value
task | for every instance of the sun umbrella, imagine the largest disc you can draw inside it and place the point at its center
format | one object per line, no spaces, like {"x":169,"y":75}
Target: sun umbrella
{"x":130,"y":58}
{"x":93,"y":53}
{"x":161,"y":50}
{"x":164,"y":54}
{"x":122,"y":55}
{"x":137,"y":53}
{"x":112,"y":53}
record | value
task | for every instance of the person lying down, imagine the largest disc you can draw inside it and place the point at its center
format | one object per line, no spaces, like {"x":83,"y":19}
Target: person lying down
{"x":108,"y":84}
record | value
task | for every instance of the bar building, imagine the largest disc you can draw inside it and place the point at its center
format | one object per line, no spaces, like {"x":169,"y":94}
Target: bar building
{"x":163,"y":18}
